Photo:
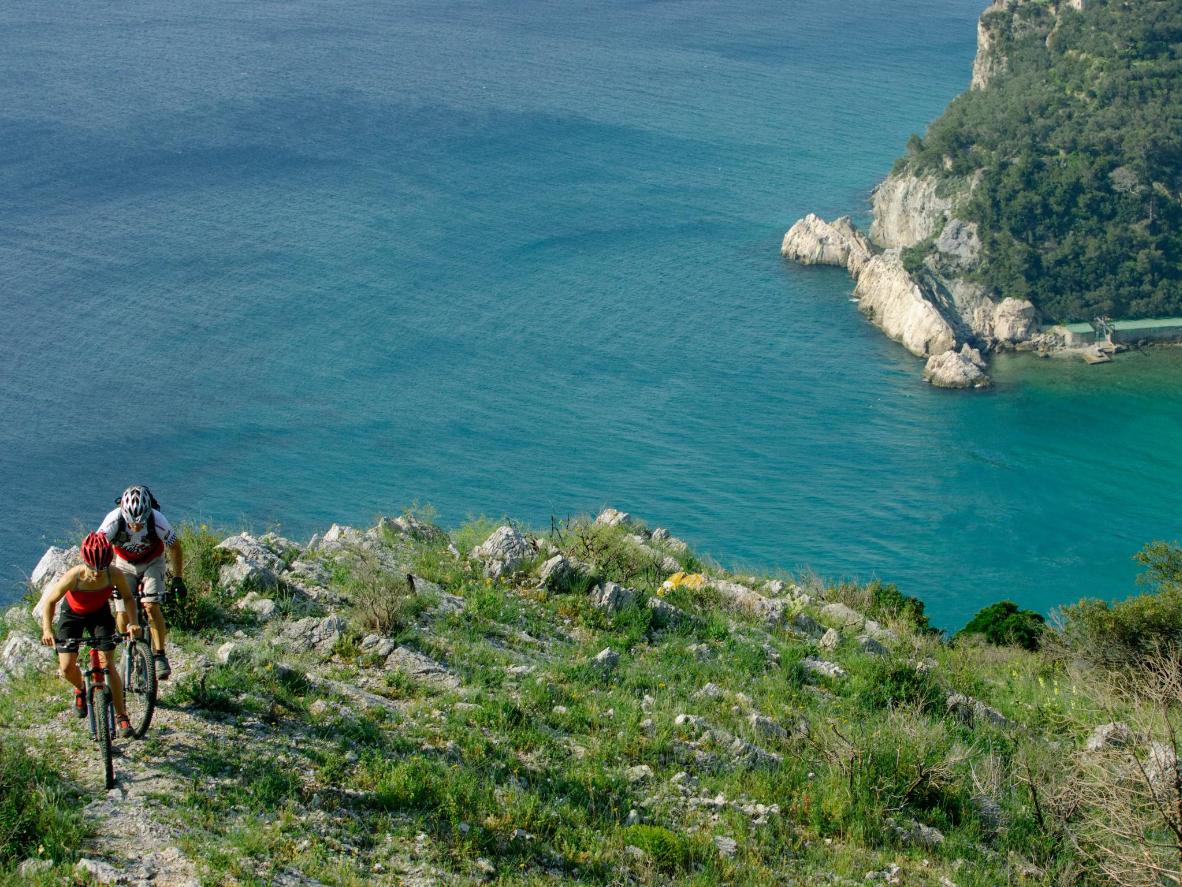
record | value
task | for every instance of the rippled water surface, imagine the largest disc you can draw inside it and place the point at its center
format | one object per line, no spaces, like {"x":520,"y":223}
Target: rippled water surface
{"x":295,"y":262}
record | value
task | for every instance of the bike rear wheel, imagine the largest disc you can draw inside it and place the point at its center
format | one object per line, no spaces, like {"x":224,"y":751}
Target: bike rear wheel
{"x":139,"y":687}
{"x":104,"y":710}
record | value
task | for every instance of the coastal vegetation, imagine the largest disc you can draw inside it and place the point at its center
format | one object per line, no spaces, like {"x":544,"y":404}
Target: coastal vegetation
{"x":1075,"y":152}
{"x":597,"y":704}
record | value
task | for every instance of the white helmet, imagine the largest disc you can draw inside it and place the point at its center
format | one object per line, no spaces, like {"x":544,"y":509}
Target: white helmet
{"x":136,"y":504}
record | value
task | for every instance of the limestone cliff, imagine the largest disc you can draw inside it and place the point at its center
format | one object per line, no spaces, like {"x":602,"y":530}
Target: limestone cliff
{"x":908,"y":209}
{"x":903,"y":307}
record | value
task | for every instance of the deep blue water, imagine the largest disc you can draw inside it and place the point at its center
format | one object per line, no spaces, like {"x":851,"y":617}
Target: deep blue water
{"x":295,"y":262}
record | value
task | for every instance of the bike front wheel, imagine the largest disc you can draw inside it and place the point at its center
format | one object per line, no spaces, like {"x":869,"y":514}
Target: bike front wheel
{"x":139,"y":687}
{"x":104,"y":711}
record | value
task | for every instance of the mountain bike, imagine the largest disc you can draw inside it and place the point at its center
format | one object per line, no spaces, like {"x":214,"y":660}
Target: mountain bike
{"x":100,"y":707}
{"x":139,"y":671}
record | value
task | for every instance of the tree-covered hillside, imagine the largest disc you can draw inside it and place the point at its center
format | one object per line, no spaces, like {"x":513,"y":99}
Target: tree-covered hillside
{"x":1078,"y":142}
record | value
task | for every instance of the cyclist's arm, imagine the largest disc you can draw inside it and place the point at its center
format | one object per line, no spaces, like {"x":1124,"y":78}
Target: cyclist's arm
{"x":124,"y":589}
{"x":176,"y":555}
{"x":49,"y":600}
{"x":176,"y":558}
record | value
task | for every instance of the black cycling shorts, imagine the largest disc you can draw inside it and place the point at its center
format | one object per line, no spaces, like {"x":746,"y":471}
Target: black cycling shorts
{"x":73,"y":626}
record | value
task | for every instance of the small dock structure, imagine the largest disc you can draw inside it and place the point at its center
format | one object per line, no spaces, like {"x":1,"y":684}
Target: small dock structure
{"x":1104,"y":330}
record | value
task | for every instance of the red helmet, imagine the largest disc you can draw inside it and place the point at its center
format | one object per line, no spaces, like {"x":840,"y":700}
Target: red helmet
{"x":97,"y":551}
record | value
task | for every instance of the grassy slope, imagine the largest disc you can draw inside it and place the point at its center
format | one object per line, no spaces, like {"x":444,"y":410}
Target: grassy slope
{"x":524,"y":777}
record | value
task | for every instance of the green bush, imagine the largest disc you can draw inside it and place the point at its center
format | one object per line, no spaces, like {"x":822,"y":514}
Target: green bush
{"x":1005,"y":625}
{"x":880,"y":683}
{"x":670,"y":852}
{"x":204,"y":607}
{"x":889,"y":604}
{"x":40,"y":817}
{"x":1143,"y":624}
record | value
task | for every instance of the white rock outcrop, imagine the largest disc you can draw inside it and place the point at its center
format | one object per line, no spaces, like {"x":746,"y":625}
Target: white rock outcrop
{"x":503,"y":552}
{"x":890,"y":297}
{"x":956,"y":369}
{"x":1014,"y":321}
{"x":813,"y":241}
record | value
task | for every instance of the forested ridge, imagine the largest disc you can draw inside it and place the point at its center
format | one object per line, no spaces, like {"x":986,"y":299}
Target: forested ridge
{"x":1077,"y":141}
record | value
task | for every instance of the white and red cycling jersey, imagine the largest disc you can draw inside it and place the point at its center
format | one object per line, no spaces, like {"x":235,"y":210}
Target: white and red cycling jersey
{"x":141,"y":546}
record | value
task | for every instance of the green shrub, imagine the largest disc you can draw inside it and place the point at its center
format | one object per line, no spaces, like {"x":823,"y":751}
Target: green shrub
{"x":1005,"y":625}
{"x":888,"y":604}
{"x":1143,"y":624}
{"x":880,"y":683}
{"x":205,"y":606}
{"x":40,"y":816}
{"x":382,"y":602}
{"x":670,"y":852}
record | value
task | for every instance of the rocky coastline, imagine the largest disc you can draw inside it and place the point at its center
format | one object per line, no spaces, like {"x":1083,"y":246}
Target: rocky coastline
{"x":914,"y":270}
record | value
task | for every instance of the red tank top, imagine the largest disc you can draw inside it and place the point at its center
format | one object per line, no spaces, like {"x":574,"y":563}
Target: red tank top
{"x":86,"y":602}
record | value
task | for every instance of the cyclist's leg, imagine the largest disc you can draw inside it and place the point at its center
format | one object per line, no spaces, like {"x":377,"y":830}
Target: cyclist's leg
{"x":129,"y":573}
{"x":153,"y":598}
{"x":67,"y":667}
{"x":70,"y":627}
{"x":103,"y":625}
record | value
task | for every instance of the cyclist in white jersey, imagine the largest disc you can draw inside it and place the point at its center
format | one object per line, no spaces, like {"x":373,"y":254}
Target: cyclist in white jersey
{"x":142,"y":536}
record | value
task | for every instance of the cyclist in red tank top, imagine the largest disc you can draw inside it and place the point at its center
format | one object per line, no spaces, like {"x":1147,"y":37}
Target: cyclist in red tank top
{"x":87,"y":589}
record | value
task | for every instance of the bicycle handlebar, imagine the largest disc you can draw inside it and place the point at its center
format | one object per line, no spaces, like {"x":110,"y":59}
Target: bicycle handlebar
{"x":108,"y":642}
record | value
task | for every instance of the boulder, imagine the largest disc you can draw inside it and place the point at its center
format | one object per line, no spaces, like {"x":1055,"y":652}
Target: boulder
{"x":813,"y":241}
{"x":808,"y":626}
{"x":244,"y":573}
{"x":844,"y":616}
{"x":954,"y":369}
{"x":746,"y":600}
{"x":253,"y":551}
{"x":830,"y":640}
{"x":606,"y":659}
{"x":1161,"y":766}
{"x":338,"y":538}
{"x":311,"y":578}
{"x":253,"y":602}
{"x":612,"y":517}
{"x":767,"y":728}
{"x":611,"y":597}
{"x":503,"y":552}
{"x":973,"y":711}
{"x":378,"y":646}
{"x":559,"y":574}
{"x":1014,"y":321}
{"x":231,"y":651}
{"x":666,"y":614}
{"x":313,"y":633}
{"x":822,"y":667}
{"x":872,"y":647}
{"x":53,"y":565}
{"x":22,"y":654}
{"x":1113,"y":735}
{"x":410,"y":526}
{"x":280,"y":546}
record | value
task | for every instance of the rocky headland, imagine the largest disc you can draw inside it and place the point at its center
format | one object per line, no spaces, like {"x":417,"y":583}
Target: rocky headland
{"x":933,"y":276}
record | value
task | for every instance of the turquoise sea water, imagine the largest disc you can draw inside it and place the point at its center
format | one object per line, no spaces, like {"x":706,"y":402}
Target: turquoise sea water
{"x":296,"y":262}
